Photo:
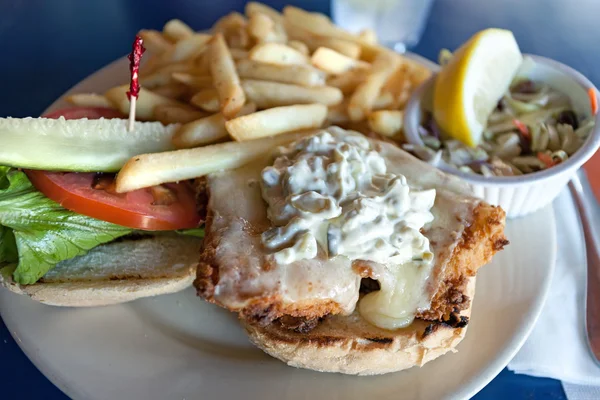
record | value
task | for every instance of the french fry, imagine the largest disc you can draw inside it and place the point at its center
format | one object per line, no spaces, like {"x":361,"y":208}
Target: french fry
{"x":176,"y":30}
{"x":146,"y":102}
{"x":369,"y":52}
{"x":398,"y":85}
{"x":335,"y":63}
{"x":365,"y":51}
{"x":266,"y":94}
{"x":207,"y":99}
{"x":170,"y":114}
{"x":400,"y":101}
{"x":295,"y":32}
{"x":277,"y":53}
{"x":264,"y":58}
{"x":338,"y":114}
{"x":196,"y":82}
{"x":276,"y":121}
{"x":173,"y":90}
{"x":361,"y":101}
{"x":384,"y":100}
{"x":200,"y":132}
{"x":226,"y":80}
{"x":238,"y":54}
{"x":228,"y":22}
{"x":163,"y":75}
{"x":300,"y":46}
{"x":233,"y":27}
{"x":248,"y":108}
{"x":368,"y":36}
{"x":280,"y":33}
{"x":315,"y":23}
{"x":154,"y":41}
{"x":206,"y":130}
{"x":202,"y":63}
{"x":397,"y":81}
{"x":319,"y":23}
{"x":300,"y":23}
{"x":89,"y":100}
{"x":239,"y":39}
{"x":303,"y":75}
{"x":254,"y":7}
{"x":386,"y":122}
{"x":150,"y":64}
{"x":261,"y":27}
{"x":186,"y":49}
{"x":418,"y":74}
{"x":154,"y":169}
{"x":347,"y":82}
{"x":345,"y":47}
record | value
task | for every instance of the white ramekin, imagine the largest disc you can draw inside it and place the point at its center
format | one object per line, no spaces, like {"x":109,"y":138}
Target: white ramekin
{"x":524,"y":194}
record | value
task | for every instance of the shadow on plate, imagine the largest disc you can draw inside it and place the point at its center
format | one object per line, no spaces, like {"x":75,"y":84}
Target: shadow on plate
{"x":197,"y":324}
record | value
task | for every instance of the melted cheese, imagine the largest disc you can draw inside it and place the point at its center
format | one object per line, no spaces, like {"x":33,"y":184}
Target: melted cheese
{"x":247,"y":269}
{"x":403,"y":291}
{"x":239,"y":215}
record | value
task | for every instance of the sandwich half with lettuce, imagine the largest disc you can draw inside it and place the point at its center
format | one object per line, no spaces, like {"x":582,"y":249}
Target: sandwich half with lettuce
{"x":66,"y":236}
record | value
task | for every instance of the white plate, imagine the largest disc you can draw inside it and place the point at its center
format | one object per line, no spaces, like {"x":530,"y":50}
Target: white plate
{"x":179,"y":347}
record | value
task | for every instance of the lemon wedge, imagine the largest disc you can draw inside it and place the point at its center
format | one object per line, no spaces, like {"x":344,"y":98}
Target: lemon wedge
{"x":468,"y":88}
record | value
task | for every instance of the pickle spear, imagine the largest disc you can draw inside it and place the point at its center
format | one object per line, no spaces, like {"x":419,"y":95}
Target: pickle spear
{"x":82,"y":145}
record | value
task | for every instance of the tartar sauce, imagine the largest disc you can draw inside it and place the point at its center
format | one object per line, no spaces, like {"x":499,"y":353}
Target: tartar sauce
{"x":331,"y":192}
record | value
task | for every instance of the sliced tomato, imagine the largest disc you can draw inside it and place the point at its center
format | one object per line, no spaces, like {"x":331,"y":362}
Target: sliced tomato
{"x":167,"y":207}
{"x":139,"y":209}
{"x":85,"y":112}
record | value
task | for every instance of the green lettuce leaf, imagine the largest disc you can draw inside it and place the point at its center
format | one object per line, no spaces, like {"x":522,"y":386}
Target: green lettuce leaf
{"x":3,"y":179}
{"x":8,"y":246}
{"x":42,"y":232}
{"x":197,"y":232}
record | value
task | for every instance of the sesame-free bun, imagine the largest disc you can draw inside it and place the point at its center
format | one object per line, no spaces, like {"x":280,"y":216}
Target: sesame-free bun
{"x":350,"y":345}
{"x":116,"y":272}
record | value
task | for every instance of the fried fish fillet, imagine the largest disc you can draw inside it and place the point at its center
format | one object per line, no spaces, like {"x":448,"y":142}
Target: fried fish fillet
{"x":236,"y":272}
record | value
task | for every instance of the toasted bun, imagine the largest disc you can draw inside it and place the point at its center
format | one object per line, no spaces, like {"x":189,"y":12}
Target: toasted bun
{"x":350,"y":345}
{"x":116,"y":272}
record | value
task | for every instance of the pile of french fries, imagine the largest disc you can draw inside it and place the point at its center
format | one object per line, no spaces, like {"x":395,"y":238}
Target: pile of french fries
{"x":266,"y":73}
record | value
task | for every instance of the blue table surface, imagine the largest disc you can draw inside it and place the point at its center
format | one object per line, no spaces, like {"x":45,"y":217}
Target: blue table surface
{"x":46,"y":47}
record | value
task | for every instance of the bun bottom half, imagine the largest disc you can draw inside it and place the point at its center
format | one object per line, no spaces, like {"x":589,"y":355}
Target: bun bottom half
{"x":116,"y":272}
{"x":350,"y":345}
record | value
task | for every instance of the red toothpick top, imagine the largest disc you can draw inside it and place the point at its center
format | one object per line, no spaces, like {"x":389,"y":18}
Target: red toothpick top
{"x":134,"y":66}
{"x":134,"y":86}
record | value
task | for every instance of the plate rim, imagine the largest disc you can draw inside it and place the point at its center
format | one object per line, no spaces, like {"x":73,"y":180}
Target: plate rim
{"x":494,"y":368}
{"x":517,"y":342}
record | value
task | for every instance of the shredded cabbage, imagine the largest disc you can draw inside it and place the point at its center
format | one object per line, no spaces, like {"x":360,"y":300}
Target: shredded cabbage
{"x":553,"y":133}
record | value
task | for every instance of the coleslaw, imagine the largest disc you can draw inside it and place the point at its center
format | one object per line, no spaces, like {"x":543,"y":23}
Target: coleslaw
{"x":533,"y":127}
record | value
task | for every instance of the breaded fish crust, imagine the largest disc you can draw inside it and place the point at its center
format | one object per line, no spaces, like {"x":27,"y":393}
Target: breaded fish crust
{"x":237,"y":273}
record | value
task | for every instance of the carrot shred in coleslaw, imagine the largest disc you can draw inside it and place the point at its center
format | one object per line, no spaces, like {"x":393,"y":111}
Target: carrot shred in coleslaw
{"x":522,"y":128}
{"x":593,"y":100}
{"x":546,"y":159}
